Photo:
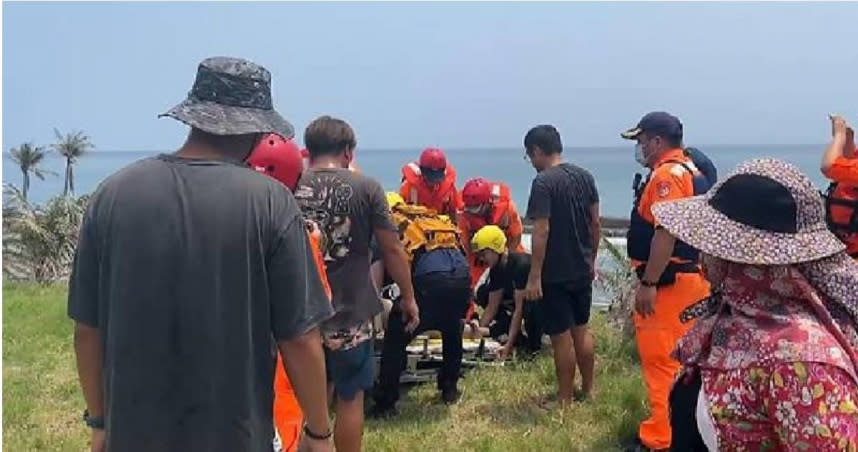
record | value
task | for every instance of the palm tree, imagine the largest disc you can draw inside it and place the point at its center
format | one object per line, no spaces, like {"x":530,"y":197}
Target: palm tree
{"x":28,"y":157}
{"x":71,"y":146}
{"x":39,"y":240}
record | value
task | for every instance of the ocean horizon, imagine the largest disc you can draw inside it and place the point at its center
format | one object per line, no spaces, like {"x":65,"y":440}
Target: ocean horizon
{"x":613,"y":167}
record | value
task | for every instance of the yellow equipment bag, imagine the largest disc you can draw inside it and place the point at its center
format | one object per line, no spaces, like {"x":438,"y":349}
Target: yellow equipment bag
{"x":422,"y":229}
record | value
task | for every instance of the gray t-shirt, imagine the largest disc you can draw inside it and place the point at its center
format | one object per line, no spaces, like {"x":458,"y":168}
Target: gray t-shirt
{"x":189,"y":268}
{"x":346,"y":207}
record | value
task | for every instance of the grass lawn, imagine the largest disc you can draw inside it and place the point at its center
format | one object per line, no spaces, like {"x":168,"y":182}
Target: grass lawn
{"x":42,"y":403}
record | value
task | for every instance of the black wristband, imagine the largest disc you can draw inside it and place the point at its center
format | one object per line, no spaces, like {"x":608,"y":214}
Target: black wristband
{"x":315,"y":436}
{"x":646,"y":283}
{"x":95,"y":422}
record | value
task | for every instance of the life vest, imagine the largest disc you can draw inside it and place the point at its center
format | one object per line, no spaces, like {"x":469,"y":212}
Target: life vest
{"x":420,"y":193}
{"x":499,"y":214}
{"x":640,"y":233}
{"x":841,"y":214}
{"x":421,"y":229}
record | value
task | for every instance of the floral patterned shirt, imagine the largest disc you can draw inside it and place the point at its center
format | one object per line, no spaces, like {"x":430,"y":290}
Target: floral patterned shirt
{"x":798,"y":406}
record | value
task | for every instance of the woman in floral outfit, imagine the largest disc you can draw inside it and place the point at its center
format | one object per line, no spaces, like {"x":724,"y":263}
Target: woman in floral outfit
{"x":770,"y":364}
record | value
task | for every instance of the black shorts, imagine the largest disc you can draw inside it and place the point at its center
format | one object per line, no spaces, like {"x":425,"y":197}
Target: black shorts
{"x":565,"y":305}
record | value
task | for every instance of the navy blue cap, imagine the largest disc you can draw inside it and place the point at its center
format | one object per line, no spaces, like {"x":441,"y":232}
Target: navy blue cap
{"x":657,"y":123}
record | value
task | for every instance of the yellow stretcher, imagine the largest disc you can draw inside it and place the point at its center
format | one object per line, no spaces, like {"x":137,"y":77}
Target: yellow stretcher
{"x":424,"y":356}
{"x":424,"y":353}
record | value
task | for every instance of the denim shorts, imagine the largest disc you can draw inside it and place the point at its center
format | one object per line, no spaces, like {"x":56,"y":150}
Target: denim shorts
{"x":352,"y":370}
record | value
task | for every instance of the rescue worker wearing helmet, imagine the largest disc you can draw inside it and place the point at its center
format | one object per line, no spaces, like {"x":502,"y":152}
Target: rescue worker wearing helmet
{"x":431,"y":182}
{"x":669,"y":272}
{"x":488,"y":203}
{"x":281,"y":159}
{"x":441,"y":283}
{"x":508,"y":272}
{"x":840,"y":165}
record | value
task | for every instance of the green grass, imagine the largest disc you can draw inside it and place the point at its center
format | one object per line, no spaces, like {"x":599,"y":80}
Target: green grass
{"x":42,"y":403}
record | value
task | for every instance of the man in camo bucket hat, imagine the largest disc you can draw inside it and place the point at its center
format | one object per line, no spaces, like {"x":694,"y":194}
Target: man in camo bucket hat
{"x":774,"y":349}
{"x":190,"y":267}
{"x":231,"y":96}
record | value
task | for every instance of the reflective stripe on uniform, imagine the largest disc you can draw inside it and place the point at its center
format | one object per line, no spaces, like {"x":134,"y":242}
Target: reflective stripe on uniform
{"x":415,"y":167}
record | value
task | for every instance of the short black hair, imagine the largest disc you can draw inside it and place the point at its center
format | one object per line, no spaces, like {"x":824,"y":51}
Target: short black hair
{"x":329,"y":136}
{"x":544,"y":136}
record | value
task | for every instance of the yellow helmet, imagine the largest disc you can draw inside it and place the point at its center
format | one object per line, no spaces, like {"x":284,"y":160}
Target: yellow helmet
{"x":489,"y":238}
{"x":393,"y":199}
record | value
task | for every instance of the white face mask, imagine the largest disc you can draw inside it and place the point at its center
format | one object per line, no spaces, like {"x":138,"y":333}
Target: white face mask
{"x":639,"y":155}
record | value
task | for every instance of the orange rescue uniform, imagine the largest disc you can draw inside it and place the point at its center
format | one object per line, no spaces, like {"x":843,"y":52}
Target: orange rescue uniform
{"x":844,"y":173}
{"x":443,"y":198}
{"x":658,"y":334}
{"x":502,"y":214}
{"x":288,"y":419}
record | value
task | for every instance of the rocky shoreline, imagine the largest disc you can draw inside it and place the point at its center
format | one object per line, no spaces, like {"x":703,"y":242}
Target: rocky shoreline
{"x":611,"y":226}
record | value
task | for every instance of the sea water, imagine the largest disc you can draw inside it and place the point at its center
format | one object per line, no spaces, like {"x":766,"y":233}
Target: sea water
{"x":612,"y":167}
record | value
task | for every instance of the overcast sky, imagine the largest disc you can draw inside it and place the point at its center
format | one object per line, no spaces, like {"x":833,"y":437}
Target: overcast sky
{"x":447,"y":74}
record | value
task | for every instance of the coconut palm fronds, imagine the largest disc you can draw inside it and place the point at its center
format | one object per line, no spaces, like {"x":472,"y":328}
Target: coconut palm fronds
{"x":39,"y":241}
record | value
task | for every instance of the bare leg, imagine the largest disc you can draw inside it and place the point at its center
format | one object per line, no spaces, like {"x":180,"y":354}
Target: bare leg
{"x":583,"y":341}
{"x":348,"y":430}
{"x":564,"y":365}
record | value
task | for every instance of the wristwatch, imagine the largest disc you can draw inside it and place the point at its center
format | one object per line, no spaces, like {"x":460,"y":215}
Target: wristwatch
{"x":95,"y":422}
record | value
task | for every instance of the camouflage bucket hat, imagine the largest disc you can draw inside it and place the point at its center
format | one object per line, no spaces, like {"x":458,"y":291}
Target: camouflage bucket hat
{"x":231,"y":96}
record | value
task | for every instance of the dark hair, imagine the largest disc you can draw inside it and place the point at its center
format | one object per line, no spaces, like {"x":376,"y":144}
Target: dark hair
{"x":328,"y":136}
{"x":545,"y":137}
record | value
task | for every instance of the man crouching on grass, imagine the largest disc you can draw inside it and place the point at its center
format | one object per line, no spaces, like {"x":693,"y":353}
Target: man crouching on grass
{"x":508,"y":274}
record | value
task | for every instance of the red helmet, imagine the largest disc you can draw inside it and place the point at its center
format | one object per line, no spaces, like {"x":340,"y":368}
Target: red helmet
{"x":433,"y":159}
{"x":278,"y":158}
{"x":477,"y":192}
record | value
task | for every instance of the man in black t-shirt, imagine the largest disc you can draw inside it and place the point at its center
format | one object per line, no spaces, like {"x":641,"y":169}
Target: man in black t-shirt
{"x":564,"y":207}
{"x":506,"y":283}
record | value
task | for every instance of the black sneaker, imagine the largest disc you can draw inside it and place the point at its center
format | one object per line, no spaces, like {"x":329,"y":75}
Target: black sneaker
{"x":451,"y":395}
{"x":383,"y":412}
